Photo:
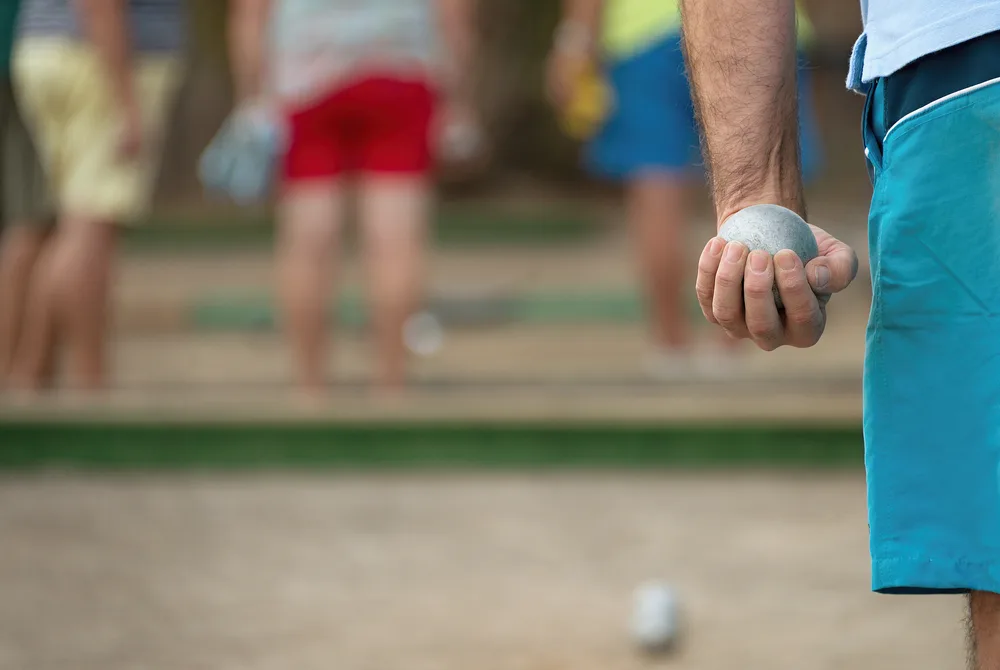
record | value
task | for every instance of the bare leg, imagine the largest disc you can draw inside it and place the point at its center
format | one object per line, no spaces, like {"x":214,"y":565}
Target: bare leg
{"x":984,"y":631}
{"x":394,"y":214}
{"x":655,"y":205}
{"x":34,"y":360}
{"x":82,"y":267}
{"x":307,"y":241}
{"x":19,"y":252}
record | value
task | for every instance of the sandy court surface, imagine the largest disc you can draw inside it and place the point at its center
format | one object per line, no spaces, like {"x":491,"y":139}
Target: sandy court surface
{"x":446,"y":572}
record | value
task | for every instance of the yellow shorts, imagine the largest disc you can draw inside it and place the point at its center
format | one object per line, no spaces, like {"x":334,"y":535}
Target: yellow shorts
{"x":70,"y":112}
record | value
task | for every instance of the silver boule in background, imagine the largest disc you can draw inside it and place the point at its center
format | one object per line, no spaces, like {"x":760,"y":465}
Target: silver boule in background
{"x":771,"y":228}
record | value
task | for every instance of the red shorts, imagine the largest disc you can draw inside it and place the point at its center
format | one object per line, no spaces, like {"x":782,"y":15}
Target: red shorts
{"x":375,"y":125}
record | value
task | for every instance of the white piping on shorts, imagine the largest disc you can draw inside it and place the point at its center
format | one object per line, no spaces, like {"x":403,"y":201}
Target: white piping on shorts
{"x":940,"y":101}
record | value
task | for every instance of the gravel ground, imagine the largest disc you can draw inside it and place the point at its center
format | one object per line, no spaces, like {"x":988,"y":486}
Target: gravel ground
{"x":497,"y":572}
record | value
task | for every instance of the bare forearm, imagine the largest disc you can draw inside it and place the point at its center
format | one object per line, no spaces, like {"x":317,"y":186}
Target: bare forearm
{"x":742,"y":64}
{"x":248,"y":20}
{"x":457,"y":20}
{"x":580,"y":25}
{"x":106,"y":24}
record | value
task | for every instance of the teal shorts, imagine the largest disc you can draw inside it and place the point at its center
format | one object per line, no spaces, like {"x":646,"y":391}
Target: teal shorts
{"x":932,"y":362}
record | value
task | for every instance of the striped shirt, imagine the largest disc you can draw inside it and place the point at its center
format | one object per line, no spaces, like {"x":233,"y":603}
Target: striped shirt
{"x":318,"y":44}
{"x":156,"y":25}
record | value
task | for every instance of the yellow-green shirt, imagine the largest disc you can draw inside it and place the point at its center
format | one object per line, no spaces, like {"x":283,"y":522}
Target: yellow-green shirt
{"x":631,"y":25}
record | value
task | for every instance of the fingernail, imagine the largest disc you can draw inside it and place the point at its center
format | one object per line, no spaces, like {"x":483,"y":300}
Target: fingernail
{"x":785,"y":260}
{"x":734,"y":251}
{"x":758,"y":262}
{"x":716,"y":245}
{"x":822,"y":277}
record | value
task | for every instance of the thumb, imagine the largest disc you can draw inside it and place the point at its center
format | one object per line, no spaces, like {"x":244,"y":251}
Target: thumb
{"x":834,"y":272}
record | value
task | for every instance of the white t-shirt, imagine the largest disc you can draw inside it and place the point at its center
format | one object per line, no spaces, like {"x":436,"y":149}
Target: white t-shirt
{"x":318,"y":45}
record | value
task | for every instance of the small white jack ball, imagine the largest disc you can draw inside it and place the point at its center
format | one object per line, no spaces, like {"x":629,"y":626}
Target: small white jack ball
{"x":655,"y":617}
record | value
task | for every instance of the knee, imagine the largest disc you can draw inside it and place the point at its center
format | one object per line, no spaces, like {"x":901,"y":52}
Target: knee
{"x":308,"y":227}
{"x":81,"y":251}
{"x":307,"y":236}
{"x":81,"y":234}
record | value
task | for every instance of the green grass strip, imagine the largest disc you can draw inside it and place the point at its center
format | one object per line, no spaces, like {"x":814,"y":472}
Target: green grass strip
{"x":85,"y":445}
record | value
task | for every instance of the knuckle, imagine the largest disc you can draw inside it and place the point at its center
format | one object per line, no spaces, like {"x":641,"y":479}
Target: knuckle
{"x":802,"y":319}
{"x":766,"y":344}
{"x":758,"y":290}
{"x":794,"y":282}
{"x":727,"y":316}
{"x":761,"y":329}
{"x":736,"y":334}
{"x":709,"y":314}
{"x":765,"y":334}
{"x":728,"y":282}
{"x":706,"y":265}
{"x":808,"y":338}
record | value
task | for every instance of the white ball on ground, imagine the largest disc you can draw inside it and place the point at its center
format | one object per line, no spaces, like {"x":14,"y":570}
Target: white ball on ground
{"x":423,"y":334}
{"x":655,"y":622}
{"x":771,"y":228}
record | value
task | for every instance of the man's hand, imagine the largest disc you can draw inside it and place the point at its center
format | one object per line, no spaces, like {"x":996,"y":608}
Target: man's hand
{"x":734,"y":290}
{"x":742,"y":65}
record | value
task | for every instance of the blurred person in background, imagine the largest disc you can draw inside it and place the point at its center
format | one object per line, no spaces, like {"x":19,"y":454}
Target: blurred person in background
{"x":362,"y":90}
{"x":25,"y":214}
{"x":616,"y":76}
{"x":95,"y":79}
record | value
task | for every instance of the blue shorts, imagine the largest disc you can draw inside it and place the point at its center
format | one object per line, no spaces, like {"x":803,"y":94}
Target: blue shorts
{"x":653,"y":128}
{"x":932,"y":361}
